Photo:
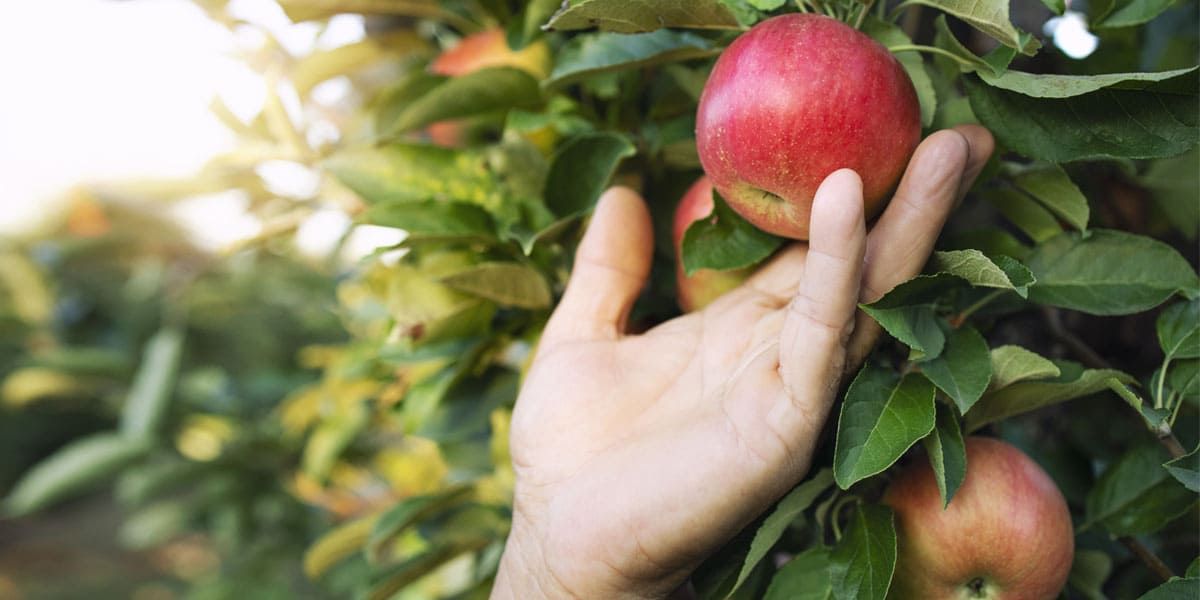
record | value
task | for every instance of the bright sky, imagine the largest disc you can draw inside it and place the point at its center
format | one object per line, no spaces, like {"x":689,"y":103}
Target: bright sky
{"x":101,"y":90}
{"x":97,"y":90}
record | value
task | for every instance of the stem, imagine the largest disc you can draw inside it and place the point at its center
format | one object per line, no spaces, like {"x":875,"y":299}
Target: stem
{"x":1162,"y":376}
{"x":1174,"y":397}
{"x":1151,"y":560}
{"x":932,"y":50}
{"x":957,"y":320}
{"x":1085,"y":353}
{"x":862,"y":15}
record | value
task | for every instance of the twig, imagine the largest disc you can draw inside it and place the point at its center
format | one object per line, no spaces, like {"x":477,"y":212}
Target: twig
{"x":1152,"y":561}
{"x":1089,"y":357}
{"x":1085,"y":353}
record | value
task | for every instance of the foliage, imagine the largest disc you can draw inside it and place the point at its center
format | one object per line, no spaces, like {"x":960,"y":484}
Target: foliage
{"x":1060,"y":311}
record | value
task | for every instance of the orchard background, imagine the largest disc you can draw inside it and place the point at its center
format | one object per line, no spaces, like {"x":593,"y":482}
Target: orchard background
{"x":266,"y":424}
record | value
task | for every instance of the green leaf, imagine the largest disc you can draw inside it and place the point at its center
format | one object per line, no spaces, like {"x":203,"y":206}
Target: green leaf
{"x":1113,"y":122}
{"x":414,"y":173}
{"x":1051,"y":186}
{"x":73,"y":468}
{"x":1179,"y":330}
{"x":485,"y":90}
{"x":1029,"y":216}
{"x":980,"y":271}
{"x":805,"y":577}
{"x":766,"y":5}
{"x":407,"y":513}
{"x":589,"y":54}
{"x":537,"y":14}
{"x":1183,"y":377}
{"x":789,"y":508}
{"x":433,"y":220}
{"x":1013,"y":364}
{"x":880,"y":419}
{"x":725,"y":241}
{"x":1069,"y":86}
{"x":581,"y":169}
{"x":1089,"y":571}
{"x":307,"y":10}
{"x":964,"y":368}
{"x":1127,"y":13}
{"x":992,"y":241}
{"x":1108,"y":273}
{"x":1018,"y":398}
{"x":1135,"y":495}
{"x":907,"y":312}
{"x":1186,"y":469}
{"x":150,"y":395}
{"x":636,"y":16}
{"x":947,"y":453}
{"x":865,"y":558}
{"x":1175,"y":589}
{"x":945,"y":39}
{"x":988,"y":16}
{"x":506,"y":283}
{"x":337,"y":544}
{"x":398,"y":577}
{"x":1193,"y":569}
{"x":1173,"y":182}
{"x":890,"y":35}
{"x":154,"y":525}
{"x":1057,"y":7}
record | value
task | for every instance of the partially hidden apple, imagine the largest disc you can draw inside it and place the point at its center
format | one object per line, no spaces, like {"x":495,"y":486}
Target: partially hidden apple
{"x":1006,"y":534}
{"x":488,"y":48}
{"x":794,"y":99}
{"x":705,"y":285}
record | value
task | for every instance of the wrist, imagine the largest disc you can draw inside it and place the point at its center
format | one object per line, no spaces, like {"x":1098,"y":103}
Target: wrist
{"x":523,"y":572}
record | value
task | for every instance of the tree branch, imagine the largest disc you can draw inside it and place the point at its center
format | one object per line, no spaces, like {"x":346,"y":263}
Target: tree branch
{"x":1152,"y":561}
{"x":1090,"y":358}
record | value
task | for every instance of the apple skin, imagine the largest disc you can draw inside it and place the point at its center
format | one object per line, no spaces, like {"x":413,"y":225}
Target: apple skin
{"x":489,"y":48}
{"x":794,"y":99}
{"x":705,"y":285}
{"x":1006,"y":535}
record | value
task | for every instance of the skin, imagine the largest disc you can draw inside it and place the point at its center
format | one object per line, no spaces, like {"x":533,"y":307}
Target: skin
{"x":636,"y":456}
{"x":779,"y":113}
{"x":1006,"y":534}
{"x":705,"y":285}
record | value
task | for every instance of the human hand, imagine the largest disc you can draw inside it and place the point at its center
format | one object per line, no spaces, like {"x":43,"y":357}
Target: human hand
{"x":638,"y":455}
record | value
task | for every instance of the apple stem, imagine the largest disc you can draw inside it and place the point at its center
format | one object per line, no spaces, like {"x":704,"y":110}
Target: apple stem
{"x":932,"y":50}
{"x":862,"y":14}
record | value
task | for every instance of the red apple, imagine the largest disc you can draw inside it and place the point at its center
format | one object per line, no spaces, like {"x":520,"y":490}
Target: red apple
{"x":705,"y":285}
{"x":1005,"y":536}
{"x":794,"y":99}
{"x":488,"y":48}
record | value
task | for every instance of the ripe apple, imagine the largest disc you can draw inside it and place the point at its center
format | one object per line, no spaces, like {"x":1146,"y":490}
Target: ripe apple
{"x":705,"y":285}
{"x":1006,"y":534}
{"x":794,"y":99}
{"x":488,"y":48}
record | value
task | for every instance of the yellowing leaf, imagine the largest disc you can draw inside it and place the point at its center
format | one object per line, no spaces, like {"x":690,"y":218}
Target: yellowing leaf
{"x":415,"y":466}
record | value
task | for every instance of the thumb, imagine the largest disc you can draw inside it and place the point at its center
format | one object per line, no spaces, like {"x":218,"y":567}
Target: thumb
{"x":611,"y":266}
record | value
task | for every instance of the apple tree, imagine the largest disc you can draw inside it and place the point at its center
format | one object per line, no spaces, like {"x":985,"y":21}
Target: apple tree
{"x":1060,"y":311}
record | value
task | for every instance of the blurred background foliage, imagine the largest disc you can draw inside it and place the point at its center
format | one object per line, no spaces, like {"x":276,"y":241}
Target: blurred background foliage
{"x":269,"y":423}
